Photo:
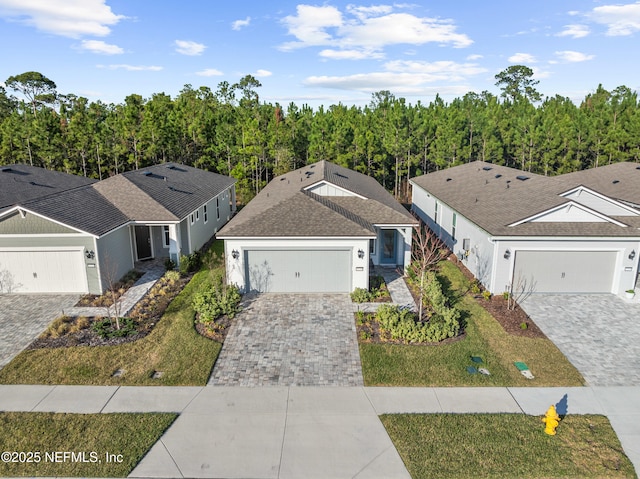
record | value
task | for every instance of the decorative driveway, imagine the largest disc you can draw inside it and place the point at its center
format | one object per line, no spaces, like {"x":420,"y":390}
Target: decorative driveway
{"x":24,"y":316}
{"x":291,"y":340}
{"x":598,"y":333}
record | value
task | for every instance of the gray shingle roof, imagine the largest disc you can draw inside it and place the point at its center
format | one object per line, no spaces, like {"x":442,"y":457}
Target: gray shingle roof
{"x":285,"y":208}
{"x":167,"y":192}
{"x":21,"y":183}
{"x":493,"y":197}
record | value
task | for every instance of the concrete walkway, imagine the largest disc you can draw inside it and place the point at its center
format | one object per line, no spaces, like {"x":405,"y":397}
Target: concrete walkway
{"x":398,"y":291}
{"x":278,"y":432}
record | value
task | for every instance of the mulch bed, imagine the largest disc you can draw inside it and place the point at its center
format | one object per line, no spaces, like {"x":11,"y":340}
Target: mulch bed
{"x":106,"y":299}
{"x":510,"y":320}
{"x":146,"y":314}
{"x":220,"y":330}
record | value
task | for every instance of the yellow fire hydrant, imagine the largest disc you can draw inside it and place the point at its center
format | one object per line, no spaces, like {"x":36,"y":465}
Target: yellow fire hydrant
{"x":551,"y":420}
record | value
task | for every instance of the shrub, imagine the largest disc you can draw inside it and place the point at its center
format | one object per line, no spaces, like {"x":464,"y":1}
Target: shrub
{"x":486,"y":295}
{"x":216,"y":300}
{"x":402,"y":324}
{"x":360,"y":295}
{"x":169,"y":264}
{"x":475,"y":287}
{"x":106,"y":330}
{"x":191,"y":263}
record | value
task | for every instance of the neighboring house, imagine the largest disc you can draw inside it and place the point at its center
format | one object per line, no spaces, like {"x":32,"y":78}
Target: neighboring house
{"x":64,"y":233}
{"x":573,"y":233}
{"x":316,"y":229}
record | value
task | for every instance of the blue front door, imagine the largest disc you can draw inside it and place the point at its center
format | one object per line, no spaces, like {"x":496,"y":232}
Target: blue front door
{"x":388,"y":253}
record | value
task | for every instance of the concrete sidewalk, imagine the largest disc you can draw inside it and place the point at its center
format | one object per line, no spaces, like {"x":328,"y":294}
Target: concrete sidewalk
{"x":291,"y":432}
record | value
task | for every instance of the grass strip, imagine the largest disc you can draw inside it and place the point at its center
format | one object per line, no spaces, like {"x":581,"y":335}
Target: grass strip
{"x":44,"y":438}
{"x":173,"y":347}
{"x":445,"y":364}
{"x":460,"y":446}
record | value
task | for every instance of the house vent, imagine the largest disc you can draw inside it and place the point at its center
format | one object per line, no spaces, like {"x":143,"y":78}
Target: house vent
{"x":342,"y":176}
{"x":487,"y":168}
{"x":522,"y":178}
{"x":448,"y":179}
{"x":147,"y":173}
{"x":615,"y":182}
{"x":6,"y":169}
{"x":498,"y":175}
{"x":282,"y":179}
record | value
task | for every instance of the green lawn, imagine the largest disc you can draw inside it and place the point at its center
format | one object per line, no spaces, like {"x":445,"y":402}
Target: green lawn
{"x":459,"y":446}
{"x":173,"y":347}
{"x":445,"y":364}
{"x":125,"y":437}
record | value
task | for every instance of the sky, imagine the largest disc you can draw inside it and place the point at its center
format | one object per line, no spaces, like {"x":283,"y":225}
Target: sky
{"x":320,"y":53}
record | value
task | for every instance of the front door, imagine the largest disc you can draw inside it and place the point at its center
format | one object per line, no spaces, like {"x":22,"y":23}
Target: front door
{"x":388,"y":254}
{"x":143,"y":242}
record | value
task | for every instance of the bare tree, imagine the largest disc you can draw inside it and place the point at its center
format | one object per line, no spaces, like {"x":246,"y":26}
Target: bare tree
{"x":111,"y":278}
{"x":427,"y":251}
{"x":7,"y":281}
{"x":520,"y":290}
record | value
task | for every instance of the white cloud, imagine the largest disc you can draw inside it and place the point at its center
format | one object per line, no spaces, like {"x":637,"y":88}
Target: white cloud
{"x":131,"y":68}
{"x":621,"y":20}
{"x":574,"y":31}
{"x":263,"y":73}
{"x":573,"y":57}
{"x":239,"y":24}
{"x":100,"y":47}
{"x":69,"y":18}
{"x":405,"y":77}
{"x":209,"y":72}
{"x":187,"y":47}
{"x":368,"y":29}
{"x":351,"y":55}
{"x":474,"y":57}
{"x":522,"y":58}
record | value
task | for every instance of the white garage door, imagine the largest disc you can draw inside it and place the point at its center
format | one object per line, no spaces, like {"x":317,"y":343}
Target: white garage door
{"x":50,"y":271}
{"x":297,"y":271}
{"x":566,"y":271}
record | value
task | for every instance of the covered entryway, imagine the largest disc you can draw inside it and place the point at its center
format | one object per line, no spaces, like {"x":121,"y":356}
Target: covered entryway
{"x":566,"y":271}
{"x":43,"y":271}
{"x":298,"y":271}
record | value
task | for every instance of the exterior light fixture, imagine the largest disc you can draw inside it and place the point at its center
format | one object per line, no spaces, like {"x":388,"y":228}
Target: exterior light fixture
{"x":90,"y":254}
{"x":632,"y":254}
{"x":360,"y":253}
{"x":507,"y":254}
{"x":235,"y":254}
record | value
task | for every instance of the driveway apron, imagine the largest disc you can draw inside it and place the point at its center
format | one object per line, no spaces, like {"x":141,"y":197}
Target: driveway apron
{"x":598,"y":333}
{"x":24,"y":316}
{"x":291,"y":340}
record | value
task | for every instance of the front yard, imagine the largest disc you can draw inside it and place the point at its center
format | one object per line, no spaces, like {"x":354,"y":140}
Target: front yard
{"x":173,"y":348}
{"x":446,"y":364}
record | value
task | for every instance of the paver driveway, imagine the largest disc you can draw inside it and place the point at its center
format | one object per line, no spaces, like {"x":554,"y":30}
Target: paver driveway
{"x":598,"y":333}
{"x":24,"y":316}
{"x":291,"y":340}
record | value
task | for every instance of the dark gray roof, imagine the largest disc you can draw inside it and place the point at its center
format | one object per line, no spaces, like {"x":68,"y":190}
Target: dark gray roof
{"x":493,"y":197}
{"x":21,"y":183}
{"x":167,"y":192}
{"x":285,"y":207}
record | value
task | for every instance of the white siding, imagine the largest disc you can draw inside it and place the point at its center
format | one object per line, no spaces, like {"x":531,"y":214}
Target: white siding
{"x":597,"y":203}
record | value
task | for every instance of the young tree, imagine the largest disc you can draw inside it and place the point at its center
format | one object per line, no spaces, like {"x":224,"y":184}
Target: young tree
{"x":517,"y":82}
{"x":427,"y":251}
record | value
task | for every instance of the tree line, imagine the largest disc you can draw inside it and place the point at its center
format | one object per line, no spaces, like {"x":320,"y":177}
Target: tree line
{"x":230,"y":131}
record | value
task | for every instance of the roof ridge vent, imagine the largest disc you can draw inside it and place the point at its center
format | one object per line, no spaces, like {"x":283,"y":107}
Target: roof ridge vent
{"x":522,"y":177}
{"x":6,"y":169}
{"x":487,"y":168}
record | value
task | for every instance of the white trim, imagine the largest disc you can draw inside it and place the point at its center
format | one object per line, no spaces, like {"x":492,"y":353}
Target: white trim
{"x":205,"y":213}
{"x":20,"y":209}
{"x":301,"y":238}
{"x":601,"y":196}
{"x":326,"y":182}
{"x":564,"y":205}
{"x":166,"y":244}
{"x":395,"y":225}
{"x":45,"y":235}
{"x":98,"y":266}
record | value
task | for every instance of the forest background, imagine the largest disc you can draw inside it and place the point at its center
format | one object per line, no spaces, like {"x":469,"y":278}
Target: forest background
{"x":230,"y":131}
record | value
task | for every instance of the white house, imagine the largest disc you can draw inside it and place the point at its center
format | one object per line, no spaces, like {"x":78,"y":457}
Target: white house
{"x":573,"y":233}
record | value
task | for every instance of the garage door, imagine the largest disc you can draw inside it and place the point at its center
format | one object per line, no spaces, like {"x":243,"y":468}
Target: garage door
{"x":297,"y":271}
{"x":45,"y":271}
{"x":567,"y":271}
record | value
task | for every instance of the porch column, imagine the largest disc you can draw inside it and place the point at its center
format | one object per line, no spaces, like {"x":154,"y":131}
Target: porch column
{"x":174,"y":244}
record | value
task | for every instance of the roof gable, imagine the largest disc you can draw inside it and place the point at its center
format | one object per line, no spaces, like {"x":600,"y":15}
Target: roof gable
{"x":570,"y":212}
{"x":599,"y":202}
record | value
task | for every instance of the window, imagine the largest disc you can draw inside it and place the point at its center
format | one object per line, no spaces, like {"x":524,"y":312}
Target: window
{"x":372,"y":246}
{"x":435,"y":215}
{"x":192,"y":218}
{"x":217,"y":207}
{"x":204,"y":211}
{"x":453,"y":226}
{"x":197,"y":215}
{"x":165,"y":236}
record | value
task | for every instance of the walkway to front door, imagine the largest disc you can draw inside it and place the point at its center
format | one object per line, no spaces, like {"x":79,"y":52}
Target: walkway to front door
{"x":291,"y":340}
